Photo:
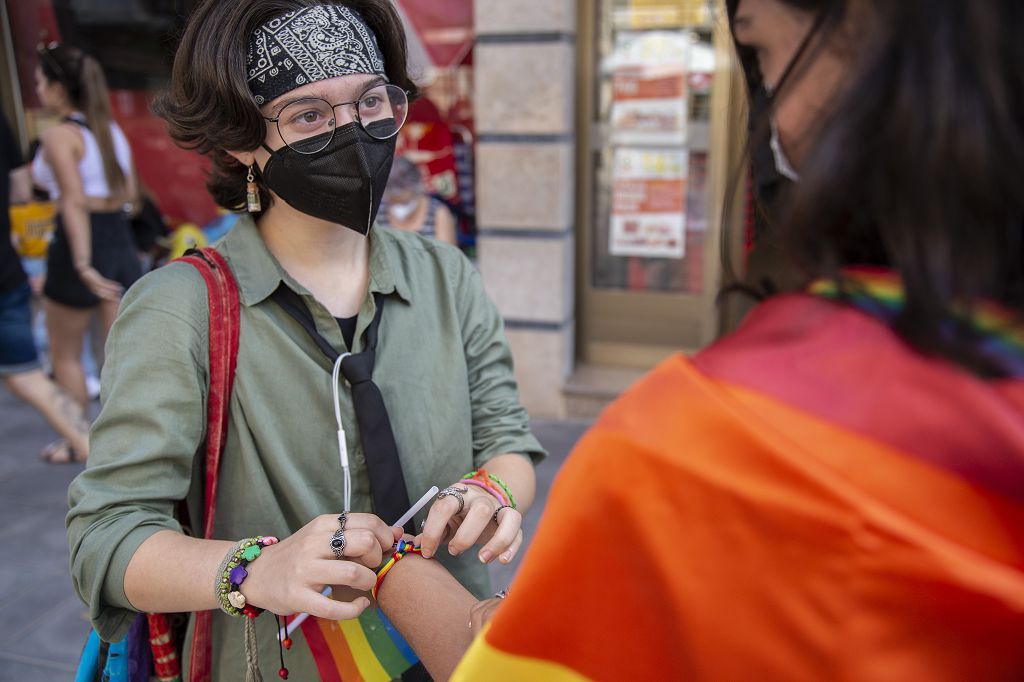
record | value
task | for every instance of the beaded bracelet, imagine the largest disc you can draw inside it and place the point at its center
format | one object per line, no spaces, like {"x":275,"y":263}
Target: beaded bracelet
{"x":489,"y":480}
{"x":401,"y":550}
{"x":233,"y":573}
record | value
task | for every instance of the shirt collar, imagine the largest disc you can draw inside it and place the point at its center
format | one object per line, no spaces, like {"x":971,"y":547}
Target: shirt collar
{"x":386,"y":274}
{"x":259,"y":274}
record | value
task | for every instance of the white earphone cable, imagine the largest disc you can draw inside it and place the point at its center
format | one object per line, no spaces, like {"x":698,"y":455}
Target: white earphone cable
{"x":342,"y":445}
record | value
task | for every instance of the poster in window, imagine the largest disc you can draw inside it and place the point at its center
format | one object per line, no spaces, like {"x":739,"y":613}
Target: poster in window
{"x":648,"y":203}
{"x":649,"y":88}
{"x":647,"y":14}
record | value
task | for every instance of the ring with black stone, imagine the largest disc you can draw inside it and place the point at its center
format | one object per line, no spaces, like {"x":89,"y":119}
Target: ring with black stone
{"x":338,"y":544}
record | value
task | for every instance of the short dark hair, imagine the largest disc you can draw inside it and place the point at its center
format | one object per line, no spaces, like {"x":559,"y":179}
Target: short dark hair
{"x":208,"y":106}
{"x":918,"y":164}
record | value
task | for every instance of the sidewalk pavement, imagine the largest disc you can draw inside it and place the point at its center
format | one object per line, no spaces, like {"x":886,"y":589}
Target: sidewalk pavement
{"x":43,"y":625}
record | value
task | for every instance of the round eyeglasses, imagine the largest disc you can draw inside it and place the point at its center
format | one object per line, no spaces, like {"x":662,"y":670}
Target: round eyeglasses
{"x":307,"y":125}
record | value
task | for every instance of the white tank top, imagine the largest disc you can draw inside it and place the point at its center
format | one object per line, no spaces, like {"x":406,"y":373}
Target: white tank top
{"x":94,"y":180}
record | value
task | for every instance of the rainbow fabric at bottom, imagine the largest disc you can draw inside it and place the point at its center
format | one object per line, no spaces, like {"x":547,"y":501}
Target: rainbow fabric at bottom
{"x":368,"y":649}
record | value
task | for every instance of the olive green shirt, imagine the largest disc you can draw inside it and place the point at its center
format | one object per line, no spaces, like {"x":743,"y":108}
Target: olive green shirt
{"x":443,"y":367}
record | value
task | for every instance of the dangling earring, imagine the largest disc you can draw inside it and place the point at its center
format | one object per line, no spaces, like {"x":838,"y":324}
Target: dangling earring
{"x":252,"y":194}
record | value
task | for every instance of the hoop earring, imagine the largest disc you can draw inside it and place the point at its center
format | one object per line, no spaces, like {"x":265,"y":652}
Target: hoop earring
{"x":252,"y":194}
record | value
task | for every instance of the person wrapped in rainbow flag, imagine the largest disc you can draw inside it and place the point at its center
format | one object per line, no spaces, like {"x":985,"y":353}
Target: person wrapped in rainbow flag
{"x":835,"y":491}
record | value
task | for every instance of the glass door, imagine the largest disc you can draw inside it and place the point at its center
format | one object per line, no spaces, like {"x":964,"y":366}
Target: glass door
{"x":661,"y":143}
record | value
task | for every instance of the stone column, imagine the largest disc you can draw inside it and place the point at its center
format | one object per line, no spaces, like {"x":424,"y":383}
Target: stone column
{"x":525,"y":93}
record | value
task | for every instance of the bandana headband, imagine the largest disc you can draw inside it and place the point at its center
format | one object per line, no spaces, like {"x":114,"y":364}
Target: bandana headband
{"x":310,"y":45}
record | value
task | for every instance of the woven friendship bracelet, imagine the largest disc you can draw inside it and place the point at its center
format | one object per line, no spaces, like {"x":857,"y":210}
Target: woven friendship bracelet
{"x":402,"y":549}
{"x":233,"y":573}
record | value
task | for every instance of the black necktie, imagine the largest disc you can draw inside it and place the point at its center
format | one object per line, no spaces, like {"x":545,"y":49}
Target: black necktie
{"x":387,"y":483}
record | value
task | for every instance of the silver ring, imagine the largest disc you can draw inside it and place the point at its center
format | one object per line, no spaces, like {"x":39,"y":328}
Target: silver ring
{"x":457,"y":493}
{"x":343,"y":519}
{"x":498,"y":510}
{"x":501,"y":594}
{"x":338,"y":544}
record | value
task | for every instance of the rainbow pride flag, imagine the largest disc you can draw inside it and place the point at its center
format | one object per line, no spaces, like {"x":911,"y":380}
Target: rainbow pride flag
{"x":368,"y":649}
{"x":807,"y":499}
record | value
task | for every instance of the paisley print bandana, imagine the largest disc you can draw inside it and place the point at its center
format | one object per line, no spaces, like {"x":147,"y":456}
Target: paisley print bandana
{"x":309,"y":45}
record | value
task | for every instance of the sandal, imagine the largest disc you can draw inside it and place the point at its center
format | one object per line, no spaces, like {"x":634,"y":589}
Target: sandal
{"x":59,"y":452}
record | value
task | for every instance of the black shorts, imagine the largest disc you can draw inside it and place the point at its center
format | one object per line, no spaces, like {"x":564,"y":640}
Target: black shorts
{"x":113,"y":256}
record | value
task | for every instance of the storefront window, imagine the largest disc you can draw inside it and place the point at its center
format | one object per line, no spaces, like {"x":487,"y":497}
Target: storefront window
{"x":656,"y":70}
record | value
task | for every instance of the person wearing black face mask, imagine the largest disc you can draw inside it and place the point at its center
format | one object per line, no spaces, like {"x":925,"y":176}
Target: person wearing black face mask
{"x":299,"y":104}
{"x":333,"y":172}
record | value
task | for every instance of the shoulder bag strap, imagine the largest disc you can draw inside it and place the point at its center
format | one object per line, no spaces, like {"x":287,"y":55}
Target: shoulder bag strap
{"x":224,"y":328}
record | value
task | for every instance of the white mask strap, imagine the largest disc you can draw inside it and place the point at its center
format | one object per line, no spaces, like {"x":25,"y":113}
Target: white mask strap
{"x":782,"y":163}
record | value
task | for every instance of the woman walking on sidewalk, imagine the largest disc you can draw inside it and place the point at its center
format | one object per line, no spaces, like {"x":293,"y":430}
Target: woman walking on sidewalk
{"x":86,"y":165}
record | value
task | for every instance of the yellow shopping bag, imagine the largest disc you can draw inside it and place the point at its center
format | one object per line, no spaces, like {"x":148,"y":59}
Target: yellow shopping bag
{"x":32,"y":228}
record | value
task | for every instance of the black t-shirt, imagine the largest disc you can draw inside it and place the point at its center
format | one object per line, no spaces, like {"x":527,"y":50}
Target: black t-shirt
{"x":11,"y":274}
{"x":348,"y":329}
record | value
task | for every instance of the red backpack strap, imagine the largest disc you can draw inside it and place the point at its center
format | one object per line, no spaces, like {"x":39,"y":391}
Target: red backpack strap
{"x":223,"y":334}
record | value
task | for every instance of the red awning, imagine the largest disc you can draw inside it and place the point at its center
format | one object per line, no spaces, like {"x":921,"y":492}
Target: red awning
{"x":444,"y":27}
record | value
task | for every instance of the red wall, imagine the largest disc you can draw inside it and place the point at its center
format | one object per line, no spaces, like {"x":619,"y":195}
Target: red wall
{"x":176,"y":177}
{"x":32,"y":23}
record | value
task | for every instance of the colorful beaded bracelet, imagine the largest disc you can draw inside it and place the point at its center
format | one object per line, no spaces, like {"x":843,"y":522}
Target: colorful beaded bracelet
{"x":490,"y":481}
{"x":401,"y":550}
{"x":233,"y":573}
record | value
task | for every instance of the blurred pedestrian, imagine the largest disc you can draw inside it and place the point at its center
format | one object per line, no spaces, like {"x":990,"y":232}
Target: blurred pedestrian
{"x":407,"y":206}
{"x":19,"y":362}
{"x":86,"y":165}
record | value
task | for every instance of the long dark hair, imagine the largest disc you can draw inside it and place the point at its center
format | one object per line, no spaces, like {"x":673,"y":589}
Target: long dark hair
{"x":208,"y":106}
{"x":83,"y":80}
{"x":918,"y":165}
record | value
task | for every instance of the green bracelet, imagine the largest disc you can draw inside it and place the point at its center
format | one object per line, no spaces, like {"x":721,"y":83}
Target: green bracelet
{"x":511,"y":500}
{"x":233,"y":572}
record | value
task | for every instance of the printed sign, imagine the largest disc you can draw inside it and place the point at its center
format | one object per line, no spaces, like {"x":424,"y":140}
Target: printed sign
{"x":649,"y":108}
{"x":648,"y":203}
{"x":642,"y":14}
{"x":649,"y":88}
